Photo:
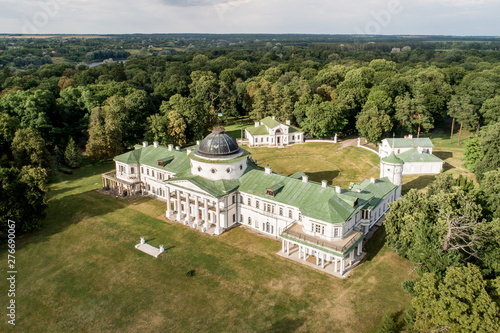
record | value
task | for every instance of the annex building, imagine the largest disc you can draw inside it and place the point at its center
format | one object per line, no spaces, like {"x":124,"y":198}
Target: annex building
{"x":215,"y":186}
{"x":415,"y":153}
{"x":270,"y":132}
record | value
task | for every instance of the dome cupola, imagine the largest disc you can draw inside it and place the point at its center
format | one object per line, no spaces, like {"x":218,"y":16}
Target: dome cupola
{"x":218,"y":145}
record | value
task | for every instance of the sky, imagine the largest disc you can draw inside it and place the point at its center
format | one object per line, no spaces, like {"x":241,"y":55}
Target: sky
{"x":385,"y":17}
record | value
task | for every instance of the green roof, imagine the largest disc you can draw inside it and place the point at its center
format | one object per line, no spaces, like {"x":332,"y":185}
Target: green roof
{"x":260,"y":130}
{"x":413,"y":155}
{"x":270,"y":122}
{"x":410,"y":143}
{"x":175,"y":161}
{"x":311,"y":198}
{"x":267,"y":123}
{"x":393,"y":159}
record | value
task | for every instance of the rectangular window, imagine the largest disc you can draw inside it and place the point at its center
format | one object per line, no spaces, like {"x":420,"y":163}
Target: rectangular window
{"x":142,"y":170}
{"x":272,"y":209}
{"x":300,"y":217}
{"x":257,"y":204}
{"x":147,"y":172}
{"x":281,"y":211}
{"x":132,"y":170}
{"x":241,"y":199}
{"x":249,"y":201}
{"x":234,"y":218}
{"x":318,"y":228}
{"x":234,"y":199}
{"x":241,"y":217}
{"x":290,"y":213}
{"x":336,"y":232}
{"x":152,"y":173}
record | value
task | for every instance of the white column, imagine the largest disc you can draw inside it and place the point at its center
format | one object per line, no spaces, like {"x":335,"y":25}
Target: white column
{"x":283,"y":245}
{"x":300,"y":252}
{"x":207,"y":224}
{"x":179,"y":205}
{"x":351,"y":257}
{"x":317,"y":258}
{"x":342,"y":266}
{"x":360,"y":248}
{"x":288,"y":248}
{"x":196,"y":210}
{"x":226,"y":212}
{"x":336,"y":264}
{"x":217,"y":217}
{"x":323,"y":260}
{"x":188,"y":208}
{"x":169,"y":208}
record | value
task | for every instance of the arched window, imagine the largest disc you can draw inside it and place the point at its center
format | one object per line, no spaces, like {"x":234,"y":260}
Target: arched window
{"x":249,"y":220}
{"x":213,"y":171}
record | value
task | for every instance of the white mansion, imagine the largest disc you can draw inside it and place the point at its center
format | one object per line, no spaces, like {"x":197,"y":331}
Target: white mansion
{"x":415,"y":153}
{"x":270,"y":132}
{"x":215,"y":186}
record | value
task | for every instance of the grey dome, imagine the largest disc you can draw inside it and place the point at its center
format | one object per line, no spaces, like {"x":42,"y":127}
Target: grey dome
{"x":218,"y":144}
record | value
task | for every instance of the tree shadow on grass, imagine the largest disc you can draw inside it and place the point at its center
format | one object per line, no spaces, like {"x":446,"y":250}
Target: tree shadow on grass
{"x":418,"y":183}
{"x":70,"y":210}
{"x":375,"y":243}
{"x":444,"y":155}
{"x":323,"y":175}
{"x":286,"y":325}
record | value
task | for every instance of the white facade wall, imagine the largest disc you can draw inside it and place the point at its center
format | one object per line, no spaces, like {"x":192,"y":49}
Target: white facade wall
{"x":386,"y":149}
{"x":128,"y":172}
{"x":216,"y":171}
{"x":415,"y":168}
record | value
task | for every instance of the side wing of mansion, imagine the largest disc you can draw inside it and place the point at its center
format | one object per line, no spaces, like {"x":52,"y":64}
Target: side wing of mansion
{"x":216,"y":186}
{"x":270,"y":132}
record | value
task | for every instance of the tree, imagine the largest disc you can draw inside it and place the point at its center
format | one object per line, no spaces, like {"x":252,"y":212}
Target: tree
{"x":22,"y":197}
{"x":460,"y":108}
{"x":413,"y":114}
{"x":104,"y":134}
{"x":72,"y":155}
{"x":176,"y":127}
{"x":157,"y":129}
{"x":441,"y":228}
{"x":372,"y":123}
{"x":473,"y":153}
{"x":490,"y":186}
{"x":490,"y":149}
{"x":458,"y":302}
{"x":490,"y":110}
{"x":28,"y":148}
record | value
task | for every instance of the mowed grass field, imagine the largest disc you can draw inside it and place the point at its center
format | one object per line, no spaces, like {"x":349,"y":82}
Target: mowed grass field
{"x":81,"y":272}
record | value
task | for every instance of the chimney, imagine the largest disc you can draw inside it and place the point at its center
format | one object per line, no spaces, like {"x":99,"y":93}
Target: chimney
{"x":257,"y":124}
{"x":170,"y":147}
{"x":305,"y":179}
{"x":198,"y":142}
{"x":420,"y":149}
{"x":338,"y":189}
{"x":188,"y":151}
{"x":269,"y":170}
{"x":410,"y":136}
{"x":177,"y":148}
{"x":372,"y":180}
{"x":156,"y":144}
{"x":144,"y":143}
{"x":324,"y":183}
{"x":274,"y":118}
{"x":288,"y":122}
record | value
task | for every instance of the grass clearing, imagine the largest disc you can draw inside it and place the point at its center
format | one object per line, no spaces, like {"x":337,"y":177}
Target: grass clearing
{"x":81,"y":272}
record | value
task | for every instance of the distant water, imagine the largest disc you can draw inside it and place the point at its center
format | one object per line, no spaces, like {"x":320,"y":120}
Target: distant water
{"x":93,"y":64}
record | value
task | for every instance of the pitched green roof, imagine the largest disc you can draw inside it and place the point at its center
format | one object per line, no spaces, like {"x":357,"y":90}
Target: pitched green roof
{"x":260,"y":130}
{"x":409,"y":143}
{"x":175,"y":161}
{"x":413,"y":155}
{"x":270,"y":122}
{"x":393,"y":159}
{"x":311,"y":198}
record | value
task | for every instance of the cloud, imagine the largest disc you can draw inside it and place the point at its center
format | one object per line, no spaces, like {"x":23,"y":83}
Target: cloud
{"x":195,"y":3}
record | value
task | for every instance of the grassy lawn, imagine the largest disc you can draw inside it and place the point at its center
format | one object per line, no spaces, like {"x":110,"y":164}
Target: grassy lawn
{"x":81,"y":272}
{"x":321,"y":161}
